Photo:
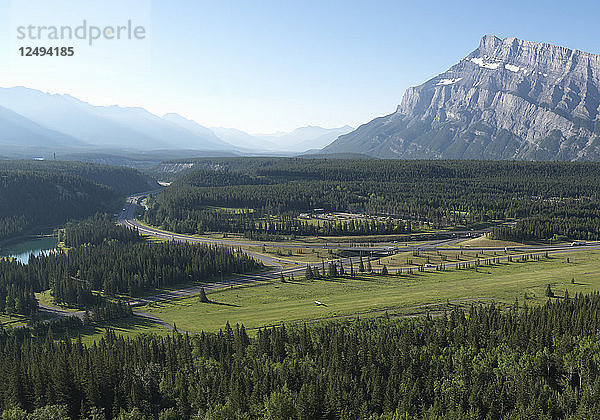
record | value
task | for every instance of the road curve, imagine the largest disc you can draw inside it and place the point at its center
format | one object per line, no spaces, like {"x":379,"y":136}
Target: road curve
{"x":126,"y":218}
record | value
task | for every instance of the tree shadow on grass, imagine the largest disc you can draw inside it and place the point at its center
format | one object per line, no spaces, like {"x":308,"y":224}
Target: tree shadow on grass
{"x":294,"y":282}
{"x":212,"y":302}
{"x":132,"y":323}
{"x":326,"y":279}
{"x":119,"y":326}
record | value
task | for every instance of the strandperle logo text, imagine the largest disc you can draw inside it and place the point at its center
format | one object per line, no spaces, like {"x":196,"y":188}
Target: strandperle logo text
{"x":91,"y":33}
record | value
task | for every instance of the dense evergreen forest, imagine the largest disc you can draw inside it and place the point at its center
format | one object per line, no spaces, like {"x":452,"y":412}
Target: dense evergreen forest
{"x":132,"y":269}
{"x":39,"y":194}
{"x":265,"y":195}
{"x":485,"y":363}
{"x":120,"y":179}
{"x":95,"y":230}
{"x":105,"y":257}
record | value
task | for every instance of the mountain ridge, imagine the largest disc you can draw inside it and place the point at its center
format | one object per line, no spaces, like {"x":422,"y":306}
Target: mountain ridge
{"x":507,"y":99}
{"x":124,"y":128}
{"x":299,"y":140}
{"x":35,"y":121}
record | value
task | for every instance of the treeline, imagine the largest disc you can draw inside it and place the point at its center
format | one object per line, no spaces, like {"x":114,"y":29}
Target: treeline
{"x":570,"y":222}
{"x":485,"y":363}
{"x":96,"y":230}
{"x":40,"y":194}
{"x":17,"y":291}
{"x":105,"y":311}
{"x":219,"y":178}
{"x":437,"y":194}
{"x":113,"y":260}
{"x":253,"y":226}
{"x":119,"y":179}
{"x":118,"y":268}
{"x":114,"y":267}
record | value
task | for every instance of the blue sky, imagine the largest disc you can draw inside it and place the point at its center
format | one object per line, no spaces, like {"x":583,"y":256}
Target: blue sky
{"x":265,"y":66}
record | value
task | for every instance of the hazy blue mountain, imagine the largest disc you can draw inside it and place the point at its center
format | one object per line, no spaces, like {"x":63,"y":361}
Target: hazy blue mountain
{"x":299,"y":140}
{"x":508,"y":99}
{"x":18,"y":131}
{"x":193,"y":127}
{"x":63,"y":123}
{"x":326,"y":136}
{"x":306,"y":138}
{"x":106,"y":127}
{"x":243,"y":140}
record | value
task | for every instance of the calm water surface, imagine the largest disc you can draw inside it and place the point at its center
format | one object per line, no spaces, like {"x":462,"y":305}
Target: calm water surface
{"x":22,"y":250}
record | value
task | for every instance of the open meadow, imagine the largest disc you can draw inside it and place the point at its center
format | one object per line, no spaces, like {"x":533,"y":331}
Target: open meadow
{"x":367,"y":295}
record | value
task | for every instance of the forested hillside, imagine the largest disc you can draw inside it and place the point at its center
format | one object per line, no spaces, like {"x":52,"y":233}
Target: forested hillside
{"x":267,"y":195}
{"x":105,"y":257}
{"x":96,"y":230}
{"x":35,"y":194}
{"x":522,"y":363}
{"x":132,"y":269}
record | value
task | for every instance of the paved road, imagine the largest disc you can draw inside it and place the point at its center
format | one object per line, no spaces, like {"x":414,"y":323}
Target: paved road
{"x":54,"y":312}
{"x":126,"y":218}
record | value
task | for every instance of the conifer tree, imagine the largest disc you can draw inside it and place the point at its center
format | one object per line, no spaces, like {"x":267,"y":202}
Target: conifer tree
{"x":203,"y":297}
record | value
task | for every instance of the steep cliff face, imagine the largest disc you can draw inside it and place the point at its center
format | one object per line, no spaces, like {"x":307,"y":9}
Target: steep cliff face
{"x":508,"y":99}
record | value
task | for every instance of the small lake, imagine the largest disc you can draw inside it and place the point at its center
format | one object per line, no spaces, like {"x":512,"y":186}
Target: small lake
{"x":22,"y":250}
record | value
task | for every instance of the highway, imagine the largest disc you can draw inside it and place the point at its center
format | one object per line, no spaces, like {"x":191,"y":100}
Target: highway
{"x":127,"y":218}
{"x":275,"y":266}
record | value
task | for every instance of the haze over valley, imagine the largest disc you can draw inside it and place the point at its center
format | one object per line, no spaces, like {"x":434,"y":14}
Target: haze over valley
{"x":32,"y":121}
{"x":508,"y":99}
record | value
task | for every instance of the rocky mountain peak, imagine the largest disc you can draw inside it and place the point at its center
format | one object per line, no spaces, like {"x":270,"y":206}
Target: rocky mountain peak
{"x":508,"y":99}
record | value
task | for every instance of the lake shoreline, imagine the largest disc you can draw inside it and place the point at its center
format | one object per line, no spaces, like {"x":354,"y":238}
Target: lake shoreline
{"x":43,"y":233}
{"x":22,"y":249}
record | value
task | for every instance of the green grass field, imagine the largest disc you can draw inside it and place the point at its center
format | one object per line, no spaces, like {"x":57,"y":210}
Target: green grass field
{"x":129,"y":327}
{"x":485,"y":241}
{"x":276,"y":302}
{"x":9,"y":321}
{"x":46,"y":298}
{"x":413,"y":260}
{"x":304,"y":255}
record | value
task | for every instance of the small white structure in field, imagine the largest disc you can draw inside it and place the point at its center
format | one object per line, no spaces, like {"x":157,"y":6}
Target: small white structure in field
{"x":318,"y":303}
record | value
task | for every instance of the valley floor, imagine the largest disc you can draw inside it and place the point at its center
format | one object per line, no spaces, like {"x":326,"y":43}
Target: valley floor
{"x":275,"y":302}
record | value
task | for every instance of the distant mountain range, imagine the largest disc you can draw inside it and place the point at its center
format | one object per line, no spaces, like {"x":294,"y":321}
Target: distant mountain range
{"x":32,"y":121}
{"x":68,"y":121}
{"x":508,"y":99}
{"x":300,"y":140}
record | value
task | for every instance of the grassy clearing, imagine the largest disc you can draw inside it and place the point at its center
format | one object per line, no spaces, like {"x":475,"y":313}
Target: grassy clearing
{"x":129,"y":327}
{"x":45,"y":298}
{"x":230,"y":210}
{"x":10,"y":321}
{"x":485,"y":241}
{"x":275,"y":302}
{"x":304,"y":255}
{"x":416,"y":259}
{"x":304,"y":240}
